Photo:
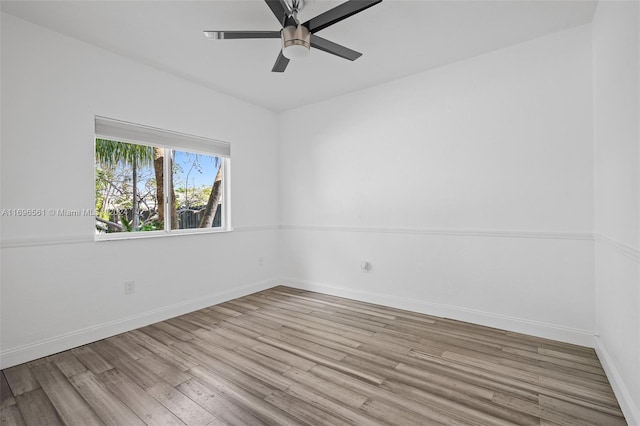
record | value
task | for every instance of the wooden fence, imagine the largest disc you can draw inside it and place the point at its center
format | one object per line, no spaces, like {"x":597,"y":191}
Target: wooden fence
{"x":187,"y":218}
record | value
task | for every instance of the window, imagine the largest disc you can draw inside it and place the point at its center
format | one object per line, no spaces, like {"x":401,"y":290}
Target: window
{"x":152,"y":182}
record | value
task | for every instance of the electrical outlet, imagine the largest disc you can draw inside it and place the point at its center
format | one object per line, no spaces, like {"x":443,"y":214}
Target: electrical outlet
{"x":129,"y":287}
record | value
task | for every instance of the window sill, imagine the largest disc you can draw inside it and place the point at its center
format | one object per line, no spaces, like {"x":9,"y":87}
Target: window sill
{"x":118,"y":236}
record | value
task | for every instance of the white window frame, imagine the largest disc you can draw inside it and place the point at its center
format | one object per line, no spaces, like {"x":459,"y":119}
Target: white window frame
{"x":122,"y":131}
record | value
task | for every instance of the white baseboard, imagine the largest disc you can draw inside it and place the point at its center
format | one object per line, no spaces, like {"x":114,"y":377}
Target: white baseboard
{"x":52,"y":345}
{"x":623,"y":394}
{"x":503,"y":322}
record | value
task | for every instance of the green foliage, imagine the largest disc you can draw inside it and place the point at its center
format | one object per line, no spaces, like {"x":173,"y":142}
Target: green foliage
{"x":193,"y":197}
{"x":151,"y":226}
{"x":128,"y":226}
{"x":110,"y":152}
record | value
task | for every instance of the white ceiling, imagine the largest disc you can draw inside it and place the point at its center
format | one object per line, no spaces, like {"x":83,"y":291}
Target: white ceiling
{"x":397,"y":38}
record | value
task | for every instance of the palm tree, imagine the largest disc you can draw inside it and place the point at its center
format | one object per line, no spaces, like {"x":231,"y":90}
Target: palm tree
{"x":111,"y":153}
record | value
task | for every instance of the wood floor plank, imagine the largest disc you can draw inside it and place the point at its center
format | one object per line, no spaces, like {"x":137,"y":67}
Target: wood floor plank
{"x":444,"y":382}
{"x":20,"y":380}
{"x":304,"y":412}
{"x":553,"y":344}
{"x":432,"y":405}
{"x":170,"y":356}
{"x":348,"y":319}
{"x":180,"y":322}
{"x":454,"y":373}
{"x":37,"y":409}
{"x":393,"y":415}
{"x":327,"y":338}
{"x":579,"y":412}
{"x":253,"y":385}
{"x":241,"y":330}
{"x":248,"y":366}
{"x":142,"y":404}
{"x":91,"y":359}
{"x":546,"y":382}
{"x":209,"y":336}
{"x":215,"y":316}
{"x":159,"y":335}
{"x":11,"y":416}
{"x":328,"y":347}
{"x":261,"y":325}
{"x":265,"y":361}
{"x":184,"y":408}
{"x":166,"y":371}
{"x":236,"y":337}
{"x":265,"y":302}
{"x":582,"y":392}
{"x":217,"y":422}
{"x":240,"y":303}
{"x":68,"y":364}
{"x":286,"y":356}
{"x":555,"y":360}
{"x":521,"y":389}
{"x":329,"y":388}
{"x":136,"y":371}
{"x":473,"y":410}
{"x":243,"y":398}
{"x":480,"y":334}
{"x":307,"y":346}
{"x":37,"y":362}
{"x":6,"y":395}
{"x":312,"y":356}
{"x":328,"y":326}
{"x":318,"y":400}
{"x":73,"y":409}
{"x":173,"y":331}
{"x":110,"y":352}
{"x":226,"y":311}
{"x":128,"y":346}
{"x":375,"y":343}
{"x":112,"y":411}
{"x":217,"y":405}
{"x":536,"y":410}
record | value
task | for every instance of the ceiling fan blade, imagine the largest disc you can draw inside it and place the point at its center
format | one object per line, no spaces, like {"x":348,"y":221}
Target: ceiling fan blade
{"x":281,"y":63}
{"x":334,"y":48}
{"x":279,"y":9}
{"x":338,"y":13}
{"x":229,"y":35}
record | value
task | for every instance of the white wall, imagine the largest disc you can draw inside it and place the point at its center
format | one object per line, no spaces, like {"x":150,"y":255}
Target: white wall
{"x":59,"y":287}
{"x":469,"y":188}
{"x":616,"y":33}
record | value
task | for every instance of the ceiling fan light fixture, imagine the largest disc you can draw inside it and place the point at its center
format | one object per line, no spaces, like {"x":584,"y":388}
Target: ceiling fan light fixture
{"x":214,"y":35}
{"x":296,"y":42}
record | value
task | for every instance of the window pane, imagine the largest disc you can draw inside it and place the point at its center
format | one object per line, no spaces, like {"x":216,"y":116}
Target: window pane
{"x":197,"y":184}
{"x":126,"y":190}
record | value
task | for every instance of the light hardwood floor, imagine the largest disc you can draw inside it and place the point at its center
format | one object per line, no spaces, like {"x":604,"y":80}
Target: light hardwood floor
{"x":287,"y":357}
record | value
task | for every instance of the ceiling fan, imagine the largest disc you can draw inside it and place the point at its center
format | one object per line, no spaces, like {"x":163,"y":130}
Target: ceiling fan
{"x":297,"y":38}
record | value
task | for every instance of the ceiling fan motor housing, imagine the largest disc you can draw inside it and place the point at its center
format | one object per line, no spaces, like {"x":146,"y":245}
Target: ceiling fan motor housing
{"x":296,"y":41}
